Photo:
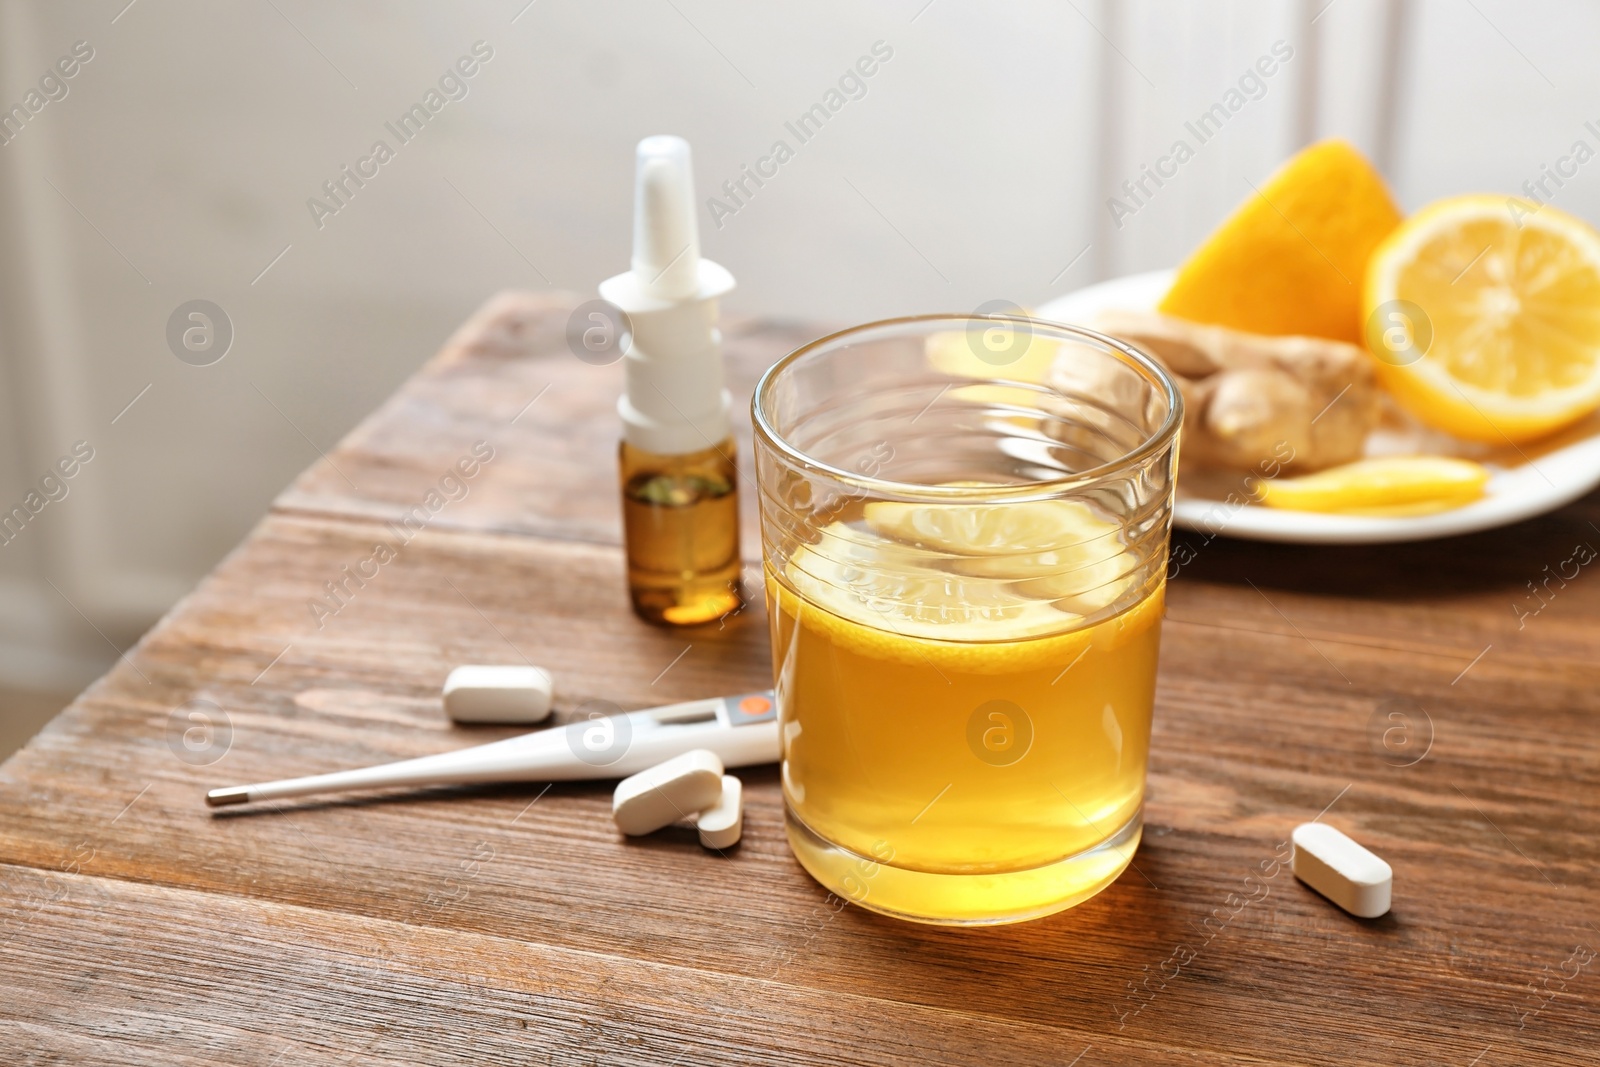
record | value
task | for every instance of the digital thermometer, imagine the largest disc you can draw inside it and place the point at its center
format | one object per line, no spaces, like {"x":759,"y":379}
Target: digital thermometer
{"x":742,"y":730}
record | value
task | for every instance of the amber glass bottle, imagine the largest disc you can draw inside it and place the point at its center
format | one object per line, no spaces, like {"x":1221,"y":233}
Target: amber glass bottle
{"x":680,"y":519}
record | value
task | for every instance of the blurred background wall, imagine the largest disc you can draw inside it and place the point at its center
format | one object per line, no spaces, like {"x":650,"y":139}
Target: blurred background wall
{"x":976,"y":163}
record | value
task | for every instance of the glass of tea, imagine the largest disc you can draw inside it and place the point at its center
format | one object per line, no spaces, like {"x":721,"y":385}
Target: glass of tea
{"x":965,"y":524}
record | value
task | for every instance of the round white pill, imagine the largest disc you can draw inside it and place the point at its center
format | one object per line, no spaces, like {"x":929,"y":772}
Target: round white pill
{"x":1341,"y":870}
{"x":667,"y":792}
{"x":721,"y":824}
{"x":498,"y":694}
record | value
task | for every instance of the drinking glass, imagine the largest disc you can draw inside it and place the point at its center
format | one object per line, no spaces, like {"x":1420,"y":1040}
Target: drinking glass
{"x":965,"y":523}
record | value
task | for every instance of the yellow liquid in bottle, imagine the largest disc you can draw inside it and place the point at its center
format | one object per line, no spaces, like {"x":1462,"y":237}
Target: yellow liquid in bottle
{"x":680,"y":517}
{"x":993,"y":775}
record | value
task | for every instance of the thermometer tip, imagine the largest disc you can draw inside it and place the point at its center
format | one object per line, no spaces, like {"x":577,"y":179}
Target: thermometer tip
{"x":236,"y":794}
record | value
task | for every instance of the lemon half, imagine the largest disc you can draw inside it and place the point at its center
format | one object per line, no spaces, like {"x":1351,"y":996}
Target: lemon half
{"x":1483,"y":313}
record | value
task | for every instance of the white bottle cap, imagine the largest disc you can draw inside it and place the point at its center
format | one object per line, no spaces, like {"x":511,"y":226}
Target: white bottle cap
{"x":673,"y":400}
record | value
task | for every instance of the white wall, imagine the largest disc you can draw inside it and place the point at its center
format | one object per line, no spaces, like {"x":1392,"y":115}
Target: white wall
{"x":976,"y":167}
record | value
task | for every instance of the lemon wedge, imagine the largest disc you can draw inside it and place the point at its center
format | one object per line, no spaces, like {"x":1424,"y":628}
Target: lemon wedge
{"x":1483,"y":313}
{"x":1291,"y":258}
{"x":1393,"y":486}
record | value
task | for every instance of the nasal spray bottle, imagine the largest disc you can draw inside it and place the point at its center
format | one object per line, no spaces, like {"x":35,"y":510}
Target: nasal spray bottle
{"x":680,"y":504}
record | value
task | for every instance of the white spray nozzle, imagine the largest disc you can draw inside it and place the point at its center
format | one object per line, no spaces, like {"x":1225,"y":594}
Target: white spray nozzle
{"x":673,"y":401}
{"x":666,"y":236}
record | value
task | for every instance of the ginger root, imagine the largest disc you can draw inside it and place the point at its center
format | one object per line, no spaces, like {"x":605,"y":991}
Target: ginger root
{"x":1292,"y":402}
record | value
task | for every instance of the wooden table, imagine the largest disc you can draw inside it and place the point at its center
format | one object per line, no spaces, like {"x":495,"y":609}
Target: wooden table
{"x":511,"y":925}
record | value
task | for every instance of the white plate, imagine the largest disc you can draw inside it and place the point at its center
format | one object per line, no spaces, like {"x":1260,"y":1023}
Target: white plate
{"x":1523,"y":482}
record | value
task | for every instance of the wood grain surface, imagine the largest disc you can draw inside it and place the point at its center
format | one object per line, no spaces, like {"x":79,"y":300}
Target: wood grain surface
{"x":511,"y":925}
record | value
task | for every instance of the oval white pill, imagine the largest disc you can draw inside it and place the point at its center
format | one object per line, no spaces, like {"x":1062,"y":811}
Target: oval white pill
{"x":721,"y":824}
{"x":1341,"y":870}
{"x":667,"y":792}
{"x":498,"y":694}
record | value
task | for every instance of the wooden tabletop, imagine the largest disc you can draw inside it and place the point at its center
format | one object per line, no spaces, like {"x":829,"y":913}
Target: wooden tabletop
{"x":511,"y":925}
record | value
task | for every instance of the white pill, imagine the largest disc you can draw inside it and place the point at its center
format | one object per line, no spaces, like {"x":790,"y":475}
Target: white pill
{"x":1341,"y":870}
{"x":721,"y":824}
{"x":667,"y":792}
{"x":497,"y":694}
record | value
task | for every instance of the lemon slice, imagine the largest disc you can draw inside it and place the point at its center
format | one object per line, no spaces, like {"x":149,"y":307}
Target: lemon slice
{"x":1082,"y":578}
{"x":987,"y":529}
{"x":884,"y":599}
{"x":1393,"y":486}
{"x":889,"y":587}
{"x":1088,"y":586}
{"x":1484,"y":315}
{"x":1079,"y":581}
{"x":1057,"y":550}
